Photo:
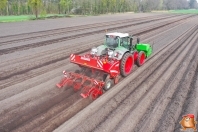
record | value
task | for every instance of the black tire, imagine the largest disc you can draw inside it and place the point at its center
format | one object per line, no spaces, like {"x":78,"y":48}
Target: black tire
{"x":109,"y":83}
{"x":140,"y":62}
{"x":124,"y":69}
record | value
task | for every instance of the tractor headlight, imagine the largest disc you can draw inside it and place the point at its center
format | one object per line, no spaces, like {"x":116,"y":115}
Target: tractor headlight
{"x":110,"y":53}
{"x":116,"y":54}
{"x":94,"y":50}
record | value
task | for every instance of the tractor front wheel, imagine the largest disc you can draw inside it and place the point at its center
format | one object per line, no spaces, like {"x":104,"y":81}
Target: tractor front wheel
{"x":126,"y":64}
{"x":141,"y":58}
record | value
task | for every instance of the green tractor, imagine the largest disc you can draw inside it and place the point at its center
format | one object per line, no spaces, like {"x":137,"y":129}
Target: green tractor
{"x":119,"y":46}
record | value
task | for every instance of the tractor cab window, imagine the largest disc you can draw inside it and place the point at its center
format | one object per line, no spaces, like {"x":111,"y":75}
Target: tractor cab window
{"x":125,"y":42}
{"x":112,"y":41}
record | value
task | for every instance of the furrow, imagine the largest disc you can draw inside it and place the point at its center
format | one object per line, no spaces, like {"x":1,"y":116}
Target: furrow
{"x":63,"y":116}
{"x":51,"y":112}
{"x":32,"y":75}
{"x":57,"y":118}
{"x":142,"y":90}
{"x":134,"y":98}
{"x":66,"y":30}
{"x":91,"y":109}
{"x":47,"y":60}
{"x":155,"y":111}
{"x":10,"y":73}
{"x":15,"y":118}
{"x":35,"y":104}
{"x":48,"y":42}
{"x":174,"y":108}
{"x":191,"y":103}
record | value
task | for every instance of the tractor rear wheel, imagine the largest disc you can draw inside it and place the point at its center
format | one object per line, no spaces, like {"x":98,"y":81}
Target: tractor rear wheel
{"x":126,"y":64}
{"x":141,"y":58}
{"x":108,"y":83}
{"x":135,"y":56}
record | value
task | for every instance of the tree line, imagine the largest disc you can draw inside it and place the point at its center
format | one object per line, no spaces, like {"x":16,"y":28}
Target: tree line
{"x":83,"y":7}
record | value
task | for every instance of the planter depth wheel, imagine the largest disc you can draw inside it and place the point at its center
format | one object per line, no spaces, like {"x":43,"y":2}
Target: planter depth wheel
{"x":108,"y":83}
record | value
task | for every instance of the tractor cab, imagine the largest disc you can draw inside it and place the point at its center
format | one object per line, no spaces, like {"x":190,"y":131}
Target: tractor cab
{"x":116,"y":40}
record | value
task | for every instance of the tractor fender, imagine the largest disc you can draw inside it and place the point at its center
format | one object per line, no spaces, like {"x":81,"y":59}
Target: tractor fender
{"x":120,"y":53}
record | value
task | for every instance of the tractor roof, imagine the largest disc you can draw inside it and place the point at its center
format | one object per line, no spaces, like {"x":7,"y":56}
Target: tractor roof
{"x":121,"y":35}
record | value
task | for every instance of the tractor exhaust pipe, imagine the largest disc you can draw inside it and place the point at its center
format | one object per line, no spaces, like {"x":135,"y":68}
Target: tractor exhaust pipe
{"x":138,"y":40}
{"x":131,"y":43}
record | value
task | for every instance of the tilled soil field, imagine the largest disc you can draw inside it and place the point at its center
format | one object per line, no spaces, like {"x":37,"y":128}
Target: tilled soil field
{"x":153,"y":98}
